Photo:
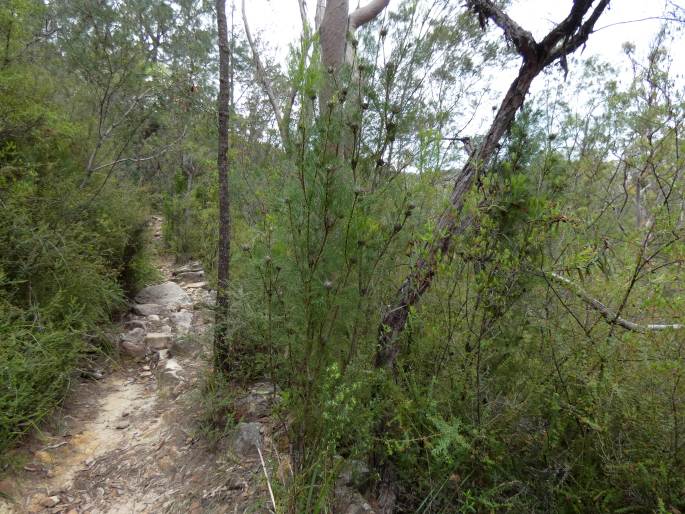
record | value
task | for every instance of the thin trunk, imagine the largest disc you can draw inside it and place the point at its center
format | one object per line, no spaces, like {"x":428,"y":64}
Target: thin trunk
{"x":221,"y":343}
{"x":260,"y":75}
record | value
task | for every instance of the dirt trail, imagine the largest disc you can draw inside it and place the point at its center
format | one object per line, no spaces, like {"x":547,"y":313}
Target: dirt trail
{"x":128,"y":443}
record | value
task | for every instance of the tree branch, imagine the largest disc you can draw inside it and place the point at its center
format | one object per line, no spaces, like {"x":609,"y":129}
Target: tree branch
{"x":522,"y":39}
{"x":260,"y":75}
{"x":367,"y":13}
{"x":159,"y":152}
{"x":576,"y":32}
{"x":610,"y":316}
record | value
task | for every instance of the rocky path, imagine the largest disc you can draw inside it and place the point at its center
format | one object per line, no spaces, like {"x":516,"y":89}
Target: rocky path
{"x":129,"y":442}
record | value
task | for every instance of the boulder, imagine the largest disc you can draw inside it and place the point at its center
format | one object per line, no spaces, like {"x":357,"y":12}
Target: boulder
{"x":159,"y":340}
{"x":163,"y":294}
{"x":168,"y":376}
{"x":134,"y":349}
{"x":197,"y":285}
{"x":244,"y":440}
{"x":206,"y":298}
{"x":146,"y":309}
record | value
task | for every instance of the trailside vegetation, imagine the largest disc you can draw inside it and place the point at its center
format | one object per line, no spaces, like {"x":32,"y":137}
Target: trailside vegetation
{"x":479,"y":308}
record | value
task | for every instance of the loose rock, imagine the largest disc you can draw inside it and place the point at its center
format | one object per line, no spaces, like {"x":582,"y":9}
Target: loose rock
{"x":50,"y":501}
{"x":245,"y":439}
{"x":183,"y":321}
{"x":134,"y":349}
{"x":349,"y":501}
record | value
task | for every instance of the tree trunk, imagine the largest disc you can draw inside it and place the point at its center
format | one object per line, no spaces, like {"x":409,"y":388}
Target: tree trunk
{"x":221,"y":343}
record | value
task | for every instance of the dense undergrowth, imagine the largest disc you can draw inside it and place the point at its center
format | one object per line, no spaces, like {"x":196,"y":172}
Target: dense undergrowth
{"x":511,"y":393}
{"x":70,"y":249}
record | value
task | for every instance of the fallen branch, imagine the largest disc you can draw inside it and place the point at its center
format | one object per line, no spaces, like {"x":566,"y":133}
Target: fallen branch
{"x":268,"y":482}
{"x":610,"y":316}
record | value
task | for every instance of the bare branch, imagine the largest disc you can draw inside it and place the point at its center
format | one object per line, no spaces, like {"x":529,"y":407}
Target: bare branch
{"x":522,"y":39}
{"x":568,"y":25}
{"x":639,"y":20}
{"x":367,"y":13}
{"x":303,"y":13}
{"x":260,"y":75}
{"x":606,"y":312}
{"x":158,"y":153}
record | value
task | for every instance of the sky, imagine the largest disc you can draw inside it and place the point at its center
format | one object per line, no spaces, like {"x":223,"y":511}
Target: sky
{"x":279,"y":22}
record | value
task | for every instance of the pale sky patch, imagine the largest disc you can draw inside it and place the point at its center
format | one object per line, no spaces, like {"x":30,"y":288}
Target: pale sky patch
{"x":277,"y":23}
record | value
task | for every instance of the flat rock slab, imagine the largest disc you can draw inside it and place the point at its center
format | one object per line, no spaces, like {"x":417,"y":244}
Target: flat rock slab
{"x":159,"y":340}
{"x":190,"y":276}
{"x":197,"y":285}
{"x":164,"y":294}
{"x":135,"y":323}
{"x":191,"y":266}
